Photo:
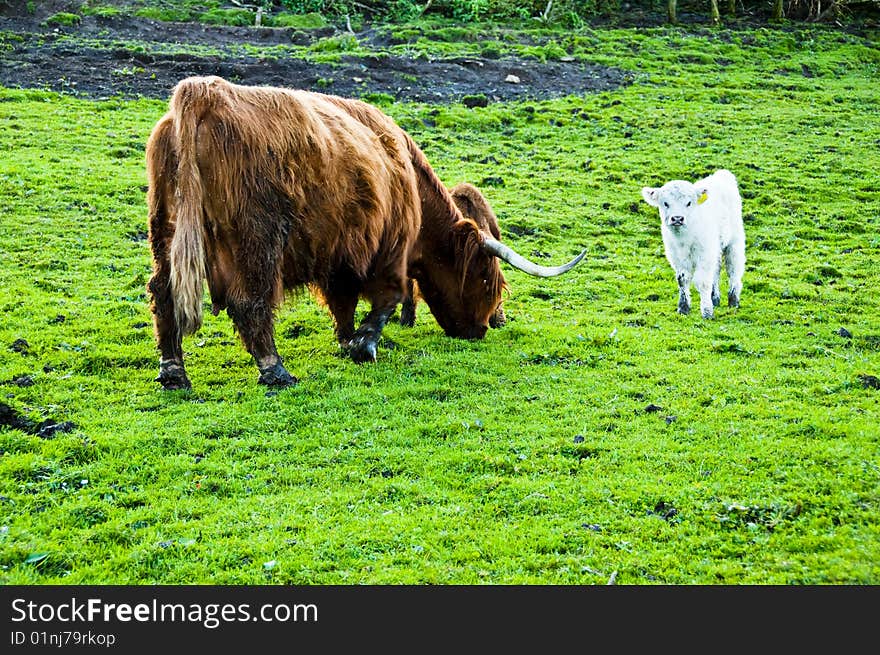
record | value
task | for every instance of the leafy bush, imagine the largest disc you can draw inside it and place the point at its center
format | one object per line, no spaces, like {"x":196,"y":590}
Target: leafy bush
{"x":240,"y":17}
{"x":170,"y":15}
{"x":64,"y":19}
{"x":97,"y":9}
{"x":307,"y":21}
{"x":341,"y":43}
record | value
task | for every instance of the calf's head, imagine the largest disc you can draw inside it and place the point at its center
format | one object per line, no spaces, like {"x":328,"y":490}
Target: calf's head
{"x":676,"y":201}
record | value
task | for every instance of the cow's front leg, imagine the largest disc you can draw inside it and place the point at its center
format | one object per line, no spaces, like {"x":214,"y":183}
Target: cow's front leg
{"x":385,"y":291}
{"x":684,"y":292}
{"x":341,"y":295}
{"x":364,"y":344}
{"x":254,"y":321}
{"x":343,"y":307}
{"x":408,"y":306}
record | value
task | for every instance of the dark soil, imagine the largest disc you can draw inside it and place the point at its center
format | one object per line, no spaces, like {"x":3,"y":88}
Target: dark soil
{"x":9,"y":418}
{"x":43,"y":57}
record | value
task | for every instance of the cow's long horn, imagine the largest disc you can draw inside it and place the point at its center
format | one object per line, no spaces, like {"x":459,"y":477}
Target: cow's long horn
{"x":508,"y":254}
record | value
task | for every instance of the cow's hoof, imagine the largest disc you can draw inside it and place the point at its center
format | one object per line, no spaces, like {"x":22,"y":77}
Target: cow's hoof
{"x":362,"y":350}
{"x":407,"y":320}
{"x":172,"y":377}
{"x":708,"y":314}
{"x":716,"y":301}
{"x":732,"y":300}
{"x":408,"y":312}
{"x":276,"y":376}
{"x":684,"y":310}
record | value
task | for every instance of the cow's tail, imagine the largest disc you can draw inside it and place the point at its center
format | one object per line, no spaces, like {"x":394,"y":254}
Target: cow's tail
{"x":188,"y":270}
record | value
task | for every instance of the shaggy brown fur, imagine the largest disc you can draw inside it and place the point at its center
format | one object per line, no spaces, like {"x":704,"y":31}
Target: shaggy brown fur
{"x":474,"y":206}
{"x":461,"y":283}
{"x":258,"y":190}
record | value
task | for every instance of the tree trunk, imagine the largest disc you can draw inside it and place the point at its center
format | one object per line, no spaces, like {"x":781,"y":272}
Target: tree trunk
{"x":670,"y":11}
{"x":716,"y":15}
{"x":731,"y":7}
{"x":778,"y":14}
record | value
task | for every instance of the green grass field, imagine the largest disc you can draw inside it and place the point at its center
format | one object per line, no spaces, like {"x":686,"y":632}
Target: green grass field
{"x":597,"y":433}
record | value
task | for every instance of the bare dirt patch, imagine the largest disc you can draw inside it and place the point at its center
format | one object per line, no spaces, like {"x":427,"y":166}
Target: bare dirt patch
{"x":103,"y":59}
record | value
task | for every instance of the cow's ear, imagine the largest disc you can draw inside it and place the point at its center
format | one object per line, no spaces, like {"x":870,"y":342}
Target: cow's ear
{"x":466,"y":229}
{"x":651,"y":195}
{"x":468,"y":238}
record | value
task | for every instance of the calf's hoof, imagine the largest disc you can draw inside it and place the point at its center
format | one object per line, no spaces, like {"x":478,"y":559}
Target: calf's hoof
{"x":684,"y":310}
{"x":362,"y":350}
{"x":276,"y":376}
{"x":708,"y":314}
{"x":732,"y":300}
{"x":716,"y":300}
{"x":172,"y":377}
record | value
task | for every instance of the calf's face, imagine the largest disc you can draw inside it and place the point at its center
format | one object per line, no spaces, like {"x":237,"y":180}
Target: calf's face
{"x":676,"y":201}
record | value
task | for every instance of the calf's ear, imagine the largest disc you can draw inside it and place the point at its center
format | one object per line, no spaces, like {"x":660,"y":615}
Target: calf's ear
{"x":651,"y":194}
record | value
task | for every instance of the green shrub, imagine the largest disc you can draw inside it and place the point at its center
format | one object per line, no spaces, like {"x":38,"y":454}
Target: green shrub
{"x":106,"y":11}
{"x":167,"y":15}
{"x":341,"y":43}
{"x":239,"y":17}
{"x":311,"y":20}
{"x":63,"y":19}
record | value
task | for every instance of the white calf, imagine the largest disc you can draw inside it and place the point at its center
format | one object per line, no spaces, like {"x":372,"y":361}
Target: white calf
{"x":702,"y":224}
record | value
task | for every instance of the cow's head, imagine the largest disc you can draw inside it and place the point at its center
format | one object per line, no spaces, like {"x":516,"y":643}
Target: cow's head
{"x":676,"y":201}
{"x":461,"y":279}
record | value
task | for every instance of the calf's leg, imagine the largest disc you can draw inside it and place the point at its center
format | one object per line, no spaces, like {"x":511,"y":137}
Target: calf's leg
{"x":684,"y":292}
{"x":703,"y":280}
{"x":735,"y":263}
{"x":716,"y":285}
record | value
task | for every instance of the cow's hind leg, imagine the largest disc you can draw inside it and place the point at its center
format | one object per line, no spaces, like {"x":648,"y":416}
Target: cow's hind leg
{"x":252,"y":301}
{"x":254,"y":320}
{"x":172,"y":374}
